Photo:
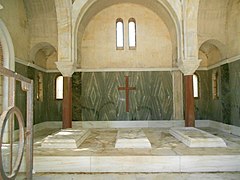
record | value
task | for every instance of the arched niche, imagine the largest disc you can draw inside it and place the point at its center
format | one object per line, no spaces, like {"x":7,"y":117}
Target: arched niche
{"x":44,"y":55}
{"x":211,"y":52}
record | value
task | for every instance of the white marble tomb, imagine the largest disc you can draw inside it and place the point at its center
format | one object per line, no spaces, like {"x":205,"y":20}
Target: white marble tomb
{"x":132,"y":138}
{"x":65,"y":138}
{"x":193,"y":137}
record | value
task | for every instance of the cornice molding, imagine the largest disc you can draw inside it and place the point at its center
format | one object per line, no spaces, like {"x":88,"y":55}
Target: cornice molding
{"x":125,"y":69}
{"x":225,"y":61}
{"x":29,"y":64}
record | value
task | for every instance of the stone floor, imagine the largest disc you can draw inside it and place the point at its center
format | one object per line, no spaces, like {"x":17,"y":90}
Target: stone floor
{"x":136,"y":176}
{"x":97,"y":158}
{"x":101,"y":142}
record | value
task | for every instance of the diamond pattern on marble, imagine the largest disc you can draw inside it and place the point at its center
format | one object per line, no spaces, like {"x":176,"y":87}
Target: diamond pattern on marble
{"x":101,"y":100}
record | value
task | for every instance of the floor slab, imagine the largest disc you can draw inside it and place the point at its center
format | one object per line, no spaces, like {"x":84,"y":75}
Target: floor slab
{"x":132,"y":138}
{"x":194,"y":137}
{"x":65,"y":138}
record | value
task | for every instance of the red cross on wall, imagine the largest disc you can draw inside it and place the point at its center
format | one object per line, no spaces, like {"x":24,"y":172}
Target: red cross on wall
{"x":127,"y":89}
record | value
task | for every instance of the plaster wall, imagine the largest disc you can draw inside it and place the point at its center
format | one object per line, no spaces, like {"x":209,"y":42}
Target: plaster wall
{"x":212,"y":16}
{"x":14,"y":17}
{"x":98,"y":46}
{"x":233,"y":28}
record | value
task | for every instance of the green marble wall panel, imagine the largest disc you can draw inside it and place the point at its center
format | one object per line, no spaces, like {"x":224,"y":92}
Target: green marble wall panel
{"x":226,"y":108}
{"x":97,"y":98}
{"x":206,"y":107}
{"x":225,"y":94}
{"x":203,"y":102}
{"x":47,"y":109}
{"x":234,"y":71}
{"x":53,"y":106}
{"x":20,"y":96}
{"x":76,"y":94}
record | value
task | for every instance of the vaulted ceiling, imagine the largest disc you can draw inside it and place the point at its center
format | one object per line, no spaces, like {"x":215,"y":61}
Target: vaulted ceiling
{"x":212,"y":19}
{"x":42,"y":20}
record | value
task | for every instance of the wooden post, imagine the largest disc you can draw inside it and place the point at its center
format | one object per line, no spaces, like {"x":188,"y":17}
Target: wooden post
{"x":189,"y":102}
{"x":67,"y":103}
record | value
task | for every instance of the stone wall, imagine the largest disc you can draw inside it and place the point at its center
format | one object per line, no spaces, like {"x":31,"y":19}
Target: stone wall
{"x":153,"y":42}
{"x":14,"y":16}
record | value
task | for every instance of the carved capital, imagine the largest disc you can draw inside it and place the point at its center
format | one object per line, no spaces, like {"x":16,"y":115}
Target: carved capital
{"x":189,"y":66}
{"x":66,"y":68}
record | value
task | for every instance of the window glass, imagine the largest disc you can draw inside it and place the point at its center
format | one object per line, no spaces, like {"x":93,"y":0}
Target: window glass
{"x":195,"y":86}
{"x":132,"y":33}
{"x":119,"y":31}
{"x":59,"y":87}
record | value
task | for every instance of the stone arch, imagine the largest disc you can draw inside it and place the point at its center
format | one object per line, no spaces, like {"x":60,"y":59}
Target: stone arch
{"x":212,"y":51}
{"x":8,"y":60}
{"x":41,"y":53}
{"x":84,"y":10}
{"x":7,"y":47}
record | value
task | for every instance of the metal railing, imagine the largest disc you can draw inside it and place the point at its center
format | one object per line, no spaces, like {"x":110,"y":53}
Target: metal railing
{"x":25,"y":134}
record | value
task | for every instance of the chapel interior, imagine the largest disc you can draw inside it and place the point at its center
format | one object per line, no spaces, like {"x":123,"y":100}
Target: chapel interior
{"x":136,"y":72}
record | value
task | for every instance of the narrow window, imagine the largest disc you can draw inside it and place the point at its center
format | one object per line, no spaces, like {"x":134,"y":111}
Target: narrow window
{"x":195,"y":86}
{"x":119,"y":33}
{"x":132,"y":33}
{"x":59,"y":87}
{"x":215,"y":85}
{"x":39,"y":87}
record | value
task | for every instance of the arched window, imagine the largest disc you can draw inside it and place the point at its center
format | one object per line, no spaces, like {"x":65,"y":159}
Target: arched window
{"x":132,"y":33}
{"x":195,"y":86}
{"x":215,"y":85}
{"x":59,"y":87}
{"x":119,"y":33}
{"x":39,"y":86}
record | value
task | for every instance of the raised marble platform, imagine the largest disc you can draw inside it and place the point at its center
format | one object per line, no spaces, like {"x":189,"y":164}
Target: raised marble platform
{"x":97,"y":154}
{"x":193,"y":137}
{"x":65,"y":138}
{"x":132,"y":138}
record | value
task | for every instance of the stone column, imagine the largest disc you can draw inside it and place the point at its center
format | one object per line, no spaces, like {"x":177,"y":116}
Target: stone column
{"x":67,"y":69}
{"x":188,"y":67}
{"x":177,"y":95}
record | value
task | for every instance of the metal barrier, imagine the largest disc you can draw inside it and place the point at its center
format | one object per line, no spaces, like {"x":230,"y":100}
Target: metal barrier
{"x":25,"y":134}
